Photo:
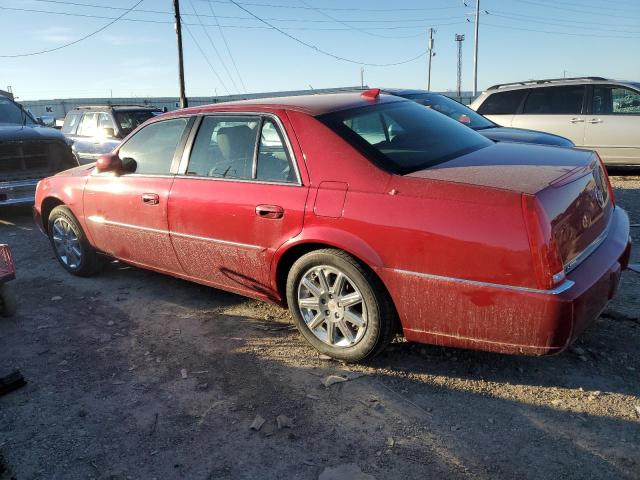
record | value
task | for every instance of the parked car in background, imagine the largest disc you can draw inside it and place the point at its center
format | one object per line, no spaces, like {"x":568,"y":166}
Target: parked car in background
{"x":593,"y":112}
{"x":363,"y":213}
{"x":456,"y":110}
{"x":28,"y":152}
{"x":96,"y":130}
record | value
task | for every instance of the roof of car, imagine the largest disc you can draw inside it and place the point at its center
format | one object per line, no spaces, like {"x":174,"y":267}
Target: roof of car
{"x":117,"y":107}
{"x":406,"y":91}
{"x":554,"y":81}
{"x":314,"y":104}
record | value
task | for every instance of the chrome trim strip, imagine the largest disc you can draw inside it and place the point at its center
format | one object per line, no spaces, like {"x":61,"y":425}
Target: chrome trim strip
{"x":215,"y":240}
{"x":582,"y":256}
{"x":103,"y":221}
{"x":566,"y":285}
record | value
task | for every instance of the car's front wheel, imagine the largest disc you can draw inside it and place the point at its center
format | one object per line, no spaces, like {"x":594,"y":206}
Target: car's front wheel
{"x":70,"y":244}
{"x":339,"y":306}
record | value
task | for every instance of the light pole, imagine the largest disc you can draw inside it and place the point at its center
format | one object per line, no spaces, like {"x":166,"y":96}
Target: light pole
{"x":431,"y":54}
{"x":475,"y":53}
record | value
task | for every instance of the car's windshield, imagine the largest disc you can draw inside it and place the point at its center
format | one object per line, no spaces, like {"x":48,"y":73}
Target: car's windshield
{"x":11,"y":113}
{"x":404,"y":137}
{"x":131,"y":119}
{"x":453,"y":109}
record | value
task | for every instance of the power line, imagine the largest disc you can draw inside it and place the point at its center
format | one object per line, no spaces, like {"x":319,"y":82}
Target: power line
{"x":343,"y":9}
{"x":145,"y":20}
{"x":324,"y":52}
{"x":297,"y":20}
{"x":224,"y":38}
{"x":558,"y":33}
{"x":616,"y":26}
{"x":351,"y":27}
{"x":60,"y":47}
{"x":206,"y":58}
{"x":215,"y":49}
{"x":558,"y":24}
{"x":582,"y":11}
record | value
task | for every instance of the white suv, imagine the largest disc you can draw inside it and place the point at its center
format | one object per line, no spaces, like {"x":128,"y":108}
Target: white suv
{"x":593,"y":112}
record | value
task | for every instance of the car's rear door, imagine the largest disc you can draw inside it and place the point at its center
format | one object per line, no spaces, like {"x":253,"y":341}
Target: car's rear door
{"x":558,"y":110}
{"x":84,"y":139}
{"x":127,"y":214}
{"x":237,"y":198}
{"x":613,"y":124}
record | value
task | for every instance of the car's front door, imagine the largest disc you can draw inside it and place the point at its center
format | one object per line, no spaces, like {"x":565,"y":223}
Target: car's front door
{"x":238,"y":197}
{"x":127,"y":214}
{"x":558,"y":110}
{"x":613,"y":124}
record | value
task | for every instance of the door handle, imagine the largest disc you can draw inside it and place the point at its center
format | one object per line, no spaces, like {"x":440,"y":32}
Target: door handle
{"x":596,"y":120}
{"x":269,"y":211}
{"x":577,"y":120}
{"x":150,"y":198}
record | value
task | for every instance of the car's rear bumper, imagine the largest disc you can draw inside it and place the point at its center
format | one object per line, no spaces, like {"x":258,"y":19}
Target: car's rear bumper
{"x":19,"y":192}
{"x":484,"y":316}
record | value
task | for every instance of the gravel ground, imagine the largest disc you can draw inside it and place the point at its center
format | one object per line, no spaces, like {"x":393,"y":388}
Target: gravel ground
{"x":138,"y":375}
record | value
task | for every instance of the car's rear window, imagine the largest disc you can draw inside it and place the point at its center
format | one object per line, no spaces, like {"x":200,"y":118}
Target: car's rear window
{"x":404,"y":137}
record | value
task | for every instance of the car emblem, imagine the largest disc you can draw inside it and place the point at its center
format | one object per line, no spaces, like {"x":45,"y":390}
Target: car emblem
{"x":598,"y":191}
{"x":585,"y":221}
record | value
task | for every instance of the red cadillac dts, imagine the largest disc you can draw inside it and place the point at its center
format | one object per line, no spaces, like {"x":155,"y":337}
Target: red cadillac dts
{"x":365,"y":214}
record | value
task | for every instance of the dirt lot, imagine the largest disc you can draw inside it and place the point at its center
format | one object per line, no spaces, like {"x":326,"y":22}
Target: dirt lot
{"x":105,"y":359}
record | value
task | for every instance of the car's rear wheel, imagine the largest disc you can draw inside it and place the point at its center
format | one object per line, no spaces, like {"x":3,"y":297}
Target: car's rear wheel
{"x":339,"y":306}
{"x":70,"y":244}
{"x":8,"y":305}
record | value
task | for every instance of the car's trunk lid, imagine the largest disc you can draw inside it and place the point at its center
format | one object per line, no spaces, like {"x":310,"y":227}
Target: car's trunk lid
{"x":570,"y":186}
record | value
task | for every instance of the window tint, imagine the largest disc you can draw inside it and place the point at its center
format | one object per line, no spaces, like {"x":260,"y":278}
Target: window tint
{"x":554,"y":100}
{"x":104,"y":121}
{"x":88,"y":124}
{"x":502,"y":103}
{"x":404,"y":137}
{"x":11,"y":113}
{"x":151,"y":150}
{"x":608,"y":100}
{"x":224,"y":147}
{"x":71,"y":123}
{"x":274,"y":163}
{"x":130,"y":120}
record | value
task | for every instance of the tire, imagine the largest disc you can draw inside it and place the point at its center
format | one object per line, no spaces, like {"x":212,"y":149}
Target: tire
{"x":70,"y":244}
{"x":8,"y":305}
{"x":361,"y":329}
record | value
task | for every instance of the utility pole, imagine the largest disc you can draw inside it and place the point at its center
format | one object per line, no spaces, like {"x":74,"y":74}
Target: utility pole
{"x":176,"y":10}
{"x":475,"y":53}
{"x":362,"y":78}
{"x":459,"y":39}
{"x":431,"y":54}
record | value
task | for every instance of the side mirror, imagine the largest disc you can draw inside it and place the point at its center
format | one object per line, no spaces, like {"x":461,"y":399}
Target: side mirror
{"x":107,"y":132}
{"x":109,"y":163}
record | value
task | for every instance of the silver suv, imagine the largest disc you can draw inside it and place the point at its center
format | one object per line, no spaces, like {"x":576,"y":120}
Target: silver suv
{"x":593,"y":112}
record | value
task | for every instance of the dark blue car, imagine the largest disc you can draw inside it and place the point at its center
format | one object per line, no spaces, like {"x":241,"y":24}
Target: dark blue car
{"x":474,"y":120}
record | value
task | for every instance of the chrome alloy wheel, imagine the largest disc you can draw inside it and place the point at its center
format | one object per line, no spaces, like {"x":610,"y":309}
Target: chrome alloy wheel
{"x":332,"y":306}
{"x":66,"y":243}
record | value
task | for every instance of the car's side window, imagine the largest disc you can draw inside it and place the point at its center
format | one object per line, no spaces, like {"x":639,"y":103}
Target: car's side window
{"x":502,"y":103}
{"x":273,"y":162}
{"x":104,"y":121}
{"x":224,"y":147}
{"x":71,"y":123}
{"x":88,"y":125}
{"x":151,"y":150}
{"x":611,"y":100}
{"x":555,"y":100}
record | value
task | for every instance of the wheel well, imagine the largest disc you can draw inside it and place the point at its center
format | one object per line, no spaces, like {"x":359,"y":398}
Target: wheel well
{"x":294,"y":253}
{"x":48,"y":204}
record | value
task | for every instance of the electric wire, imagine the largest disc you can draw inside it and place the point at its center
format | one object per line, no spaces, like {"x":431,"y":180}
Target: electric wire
{"x":206,"y":58}
{"x":215,"y":49}
{"x":324,"y":52}
{"x":85,"y":37}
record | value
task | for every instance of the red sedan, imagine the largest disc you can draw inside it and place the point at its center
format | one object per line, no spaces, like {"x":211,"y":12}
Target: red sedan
{"x":366,"y":214}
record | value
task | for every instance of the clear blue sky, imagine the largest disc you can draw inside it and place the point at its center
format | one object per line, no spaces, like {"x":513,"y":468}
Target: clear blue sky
{"x":519,"y":39}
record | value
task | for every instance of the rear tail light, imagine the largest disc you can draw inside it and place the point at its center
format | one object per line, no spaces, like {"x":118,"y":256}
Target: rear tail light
{"x":7,"y":268}
{"x":604,"y":172}
{"x":547,"y":263}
